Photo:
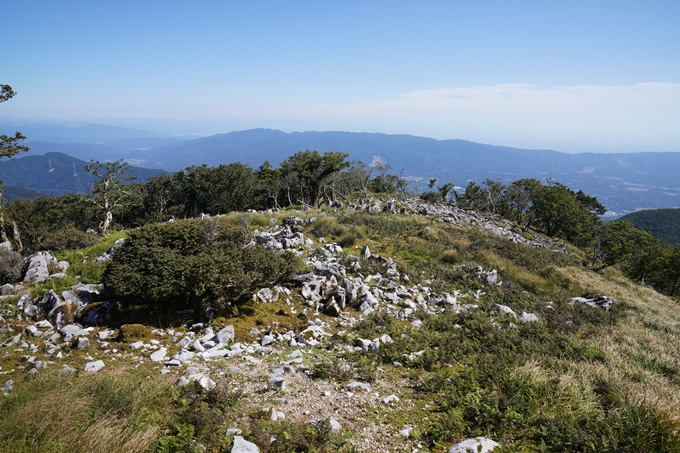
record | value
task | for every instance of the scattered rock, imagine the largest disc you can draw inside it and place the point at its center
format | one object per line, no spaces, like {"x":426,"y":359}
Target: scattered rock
{"x":358,"y":385}
{"x":527,"y":317}
{"x":502,"y":311}
{"x":107,"y":255}
{"x":476,"y":445}
{"x":81,"y":343}
{"x":159,"y":356}
{"x":37,"y":267}
{"x":277,"y":383}
{"x":93,"y":367}
{"x":243,"y":446}
{"x":604,"y":302}
{"x":225,"y":335}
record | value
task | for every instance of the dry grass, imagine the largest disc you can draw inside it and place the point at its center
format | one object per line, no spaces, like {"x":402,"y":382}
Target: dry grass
{"x":641,"y":365}
{"x":111,"y":411}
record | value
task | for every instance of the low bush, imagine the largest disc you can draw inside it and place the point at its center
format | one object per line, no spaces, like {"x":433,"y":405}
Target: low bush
{"x":11,"y":266}
{"x":193,"y":264}
{"x":69,"y":237}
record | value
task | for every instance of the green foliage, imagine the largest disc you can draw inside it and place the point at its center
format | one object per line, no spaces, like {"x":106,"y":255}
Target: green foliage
{"x":193,"y":264}
{"x":663,"y":223}
{"x":559,"y":212}
{"x":109,"y":193}
{"x":484,"y":379}
{"x":432,"y":197}
{"x":198,"y":418}
{"x":308,"y":171}
{"x":116,"y":411}
{"x":46,"y":216}
{"x":10,"y":266}
{"x":9,"y":145}
{"x":69,"y":237}
{"x":216,"y":190}
{"x":297,"y":437}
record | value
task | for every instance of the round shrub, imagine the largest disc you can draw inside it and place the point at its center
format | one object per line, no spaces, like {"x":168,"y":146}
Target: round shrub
{"x":193,"y":264}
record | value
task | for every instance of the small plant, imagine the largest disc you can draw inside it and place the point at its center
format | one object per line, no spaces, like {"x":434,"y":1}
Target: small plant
{"x":133,"y":332}
{"x":10,"y":266}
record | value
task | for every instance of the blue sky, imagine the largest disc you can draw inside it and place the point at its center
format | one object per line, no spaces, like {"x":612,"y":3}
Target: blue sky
{"x":571,"y":76}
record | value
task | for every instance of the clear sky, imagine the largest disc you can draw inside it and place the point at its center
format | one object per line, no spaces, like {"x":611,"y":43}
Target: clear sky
{"x":565,"y":75}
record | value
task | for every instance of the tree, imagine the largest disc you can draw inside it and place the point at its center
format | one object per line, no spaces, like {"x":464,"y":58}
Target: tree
{"x":518,"y":200}
{"x":473,"y":197}
{"x":9,"y":146}
{"x":445,"y":190}
{"x":159,"y":196}
{"x":217,"y":190}
{"x":312,"y":170}
{"x":559,"y":214}
{"x":269,"y":184}
{"x":109,"y":193}
{"x":493,"y":190}
{"x":619,"y":242}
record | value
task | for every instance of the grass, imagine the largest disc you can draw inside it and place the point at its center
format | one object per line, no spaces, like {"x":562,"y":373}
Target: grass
{"x":112,"y":411}
{"x":581,"y":380}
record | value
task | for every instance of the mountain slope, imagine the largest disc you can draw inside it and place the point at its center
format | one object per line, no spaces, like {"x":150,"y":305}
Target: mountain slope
{"x":662,"y":223}
{"x":622,"y":182}
{"x":55,"y":173}
{"x":426,"y":351}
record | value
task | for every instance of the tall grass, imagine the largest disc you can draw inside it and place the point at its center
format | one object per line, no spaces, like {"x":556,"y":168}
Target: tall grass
{"x":111,"y":411}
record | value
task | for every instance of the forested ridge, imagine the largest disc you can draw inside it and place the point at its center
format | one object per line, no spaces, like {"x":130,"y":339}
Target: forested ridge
{"x":663,"y":223}
{"x":309,"y":179}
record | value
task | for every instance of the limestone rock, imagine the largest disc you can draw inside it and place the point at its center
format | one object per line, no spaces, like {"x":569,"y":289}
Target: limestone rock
{"x":159,"y":356}
{"x":243,"y":446}
{"x":81,"y":343}
{"x":604,"y":302}
{"x":358,"y":385}
{"x":93,"y":367}
{"x":502,"y":311}
{"x":476,"y":445}
{"x":527,"y":317}
{"x":107,"y":255}
{"x":276,"y":383}
{"x":225,"y":335}
{"x":6,"y":289}
{"x":72,"y":330}
{"x":36,"y":267}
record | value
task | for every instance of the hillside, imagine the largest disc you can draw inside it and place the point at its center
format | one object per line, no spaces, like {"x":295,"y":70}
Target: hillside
{"x":624,"y":183}
{"x":400,"y":331}
{"x":54,"y":174}
{"x":662,"y":223}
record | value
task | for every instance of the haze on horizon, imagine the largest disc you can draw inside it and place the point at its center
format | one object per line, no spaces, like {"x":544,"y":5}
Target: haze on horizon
{"x":571,"y":76}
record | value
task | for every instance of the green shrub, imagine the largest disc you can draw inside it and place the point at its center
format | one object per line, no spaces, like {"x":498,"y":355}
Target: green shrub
{"x":69,"y":237}
{"x":193,"y":264}
{"x":130,"y":333}
{"x":432,"y":197}
{"x":10,"y":266}
{"x":348,"y":240}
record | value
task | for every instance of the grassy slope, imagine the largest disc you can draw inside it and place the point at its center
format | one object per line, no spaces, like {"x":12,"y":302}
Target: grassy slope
{"x":581,"y":380}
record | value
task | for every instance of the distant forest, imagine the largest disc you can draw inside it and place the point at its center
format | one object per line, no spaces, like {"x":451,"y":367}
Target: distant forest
{"x":662,"y":223}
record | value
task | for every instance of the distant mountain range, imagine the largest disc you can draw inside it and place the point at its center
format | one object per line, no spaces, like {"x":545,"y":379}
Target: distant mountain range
{"x":52,"y":174}
{"x":623,"y":182}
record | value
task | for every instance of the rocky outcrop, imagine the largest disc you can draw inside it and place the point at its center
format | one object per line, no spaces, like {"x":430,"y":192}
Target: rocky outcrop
{"x":476,"y":445}
{"x":37,"y":267}
{"x":107,"y":255}
{"x":604,"y":302}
